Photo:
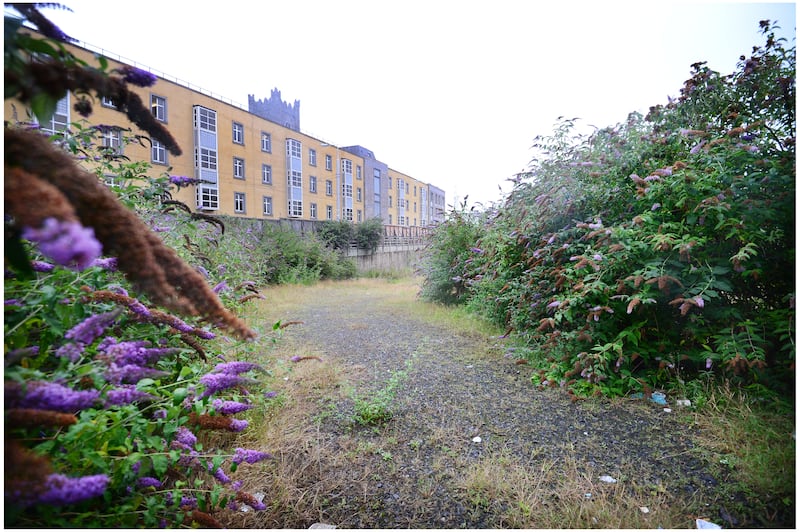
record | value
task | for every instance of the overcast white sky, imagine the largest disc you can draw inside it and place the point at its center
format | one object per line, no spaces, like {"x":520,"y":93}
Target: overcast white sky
{"x":449,"y":92}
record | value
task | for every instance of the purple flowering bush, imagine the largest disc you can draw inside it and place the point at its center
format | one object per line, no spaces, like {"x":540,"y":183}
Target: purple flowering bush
{"x":119,"y":398}
{"x":654,"y":252}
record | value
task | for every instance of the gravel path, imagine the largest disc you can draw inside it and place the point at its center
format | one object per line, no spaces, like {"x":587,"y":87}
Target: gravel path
{"x":472,"y":443}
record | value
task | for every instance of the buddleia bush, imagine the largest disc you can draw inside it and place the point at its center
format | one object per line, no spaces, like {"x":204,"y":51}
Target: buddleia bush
{"x":446,"y":264}
{"x":122,"y":355}
{"x":658,"y":249}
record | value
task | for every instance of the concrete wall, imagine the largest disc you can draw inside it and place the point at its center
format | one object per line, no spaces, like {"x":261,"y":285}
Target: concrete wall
{"x":386,"y":259}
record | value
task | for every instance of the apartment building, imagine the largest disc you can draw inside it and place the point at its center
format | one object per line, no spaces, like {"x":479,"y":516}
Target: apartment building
{"x":251,"y":161}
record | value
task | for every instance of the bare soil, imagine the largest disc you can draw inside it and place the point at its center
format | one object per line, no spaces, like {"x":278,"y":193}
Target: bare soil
{"x":471,"y":442}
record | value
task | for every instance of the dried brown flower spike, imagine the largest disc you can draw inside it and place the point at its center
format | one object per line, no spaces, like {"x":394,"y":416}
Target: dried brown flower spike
{"x":149,"y":264}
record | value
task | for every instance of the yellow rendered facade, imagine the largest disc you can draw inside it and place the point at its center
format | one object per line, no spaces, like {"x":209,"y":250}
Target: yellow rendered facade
{"x":261,"y":169}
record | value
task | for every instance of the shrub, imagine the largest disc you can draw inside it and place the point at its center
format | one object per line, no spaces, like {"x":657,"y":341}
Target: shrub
{"x":109,"y":393}
{"x":446,"y":263}
{"x":657,"y":249}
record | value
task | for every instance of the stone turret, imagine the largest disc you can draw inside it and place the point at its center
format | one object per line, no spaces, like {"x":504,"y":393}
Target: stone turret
{"x":276,"y":110}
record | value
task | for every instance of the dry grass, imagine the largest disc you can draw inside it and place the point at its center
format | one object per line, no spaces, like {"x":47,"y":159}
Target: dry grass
{"x":327,"y":468}
{"x":547,"y":493}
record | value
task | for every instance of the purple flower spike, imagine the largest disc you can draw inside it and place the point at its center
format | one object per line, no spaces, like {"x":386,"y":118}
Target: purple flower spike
{"x":250,"y":456}
{"x":235,"y":368}
{"x":131,"y":373}
{"x":215,"y":382}
{"x":109,"y":263}
{"x":71,"y":351}
{"x":66,"y":243}
{"x":182,"y":180}
{"x":237,"y":425}
{"x":125,"y":395}
{"x":92,"y":327}
{"x":137,"y":76}
{"x":185,"y":437}
{"x":62,"y":490}
{"x":148,"y":482}
{"x":229,"y":407}
{"x":219,"y":474}
{"x":221,"y":287}
{"x":41,"y":266}
{"x":52,"y":396}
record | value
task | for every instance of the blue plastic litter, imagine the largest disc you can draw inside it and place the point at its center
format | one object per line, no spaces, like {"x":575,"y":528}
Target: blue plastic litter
{"x":658,"y":398}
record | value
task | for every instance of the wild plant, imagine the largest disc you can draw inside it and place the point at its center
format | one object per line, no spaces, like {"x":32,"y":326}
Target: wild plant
{"x":658,"y":249}
{"x":114,"y":369}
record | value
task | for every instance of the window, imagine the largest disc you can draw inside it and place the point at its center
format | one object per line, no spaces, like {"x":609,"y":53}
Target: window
{"x":207,"y":197}
{"x":347,"y":190}
{"x":267,"y":202}
{"x":295,"y":208}
{"x":390,"y":219}
{"x":238,"y":168}
{"x":266,"y":174}
{"x":108,"y":102}
{"x":313,"y":210}
{"x":415,"y":206}
{"x":266,"y":142}
{"x":406,"y":188}
{"x":328,"y":162}
{"x":208,"y":159}
{"x":329,"y":187}
{"x":358,"y":215}
{"x":238,"y":202}
{"x":295,"y":179}
{"x":293,"y":148}
{"x":358,"y":171}
{"x":312,"y":184}
{"x":158,"y":152}
{"x":390,"y":201}
{"x":389,"y":180}
{"x":112,"y":139}
{"x":347,"y":214}
{"x":204,"y":121}
{"x":158,"y":106}
{"x":415,"y":190}
{"x":312,"y":157}
{"x":358,"y":194}
{"x":329,"y":212}
{"x":238,"y":133}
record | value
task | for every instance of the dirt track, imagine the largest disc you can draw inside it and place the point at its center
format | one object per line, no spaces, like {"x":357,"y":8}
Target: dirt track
{"x":471,"y":442}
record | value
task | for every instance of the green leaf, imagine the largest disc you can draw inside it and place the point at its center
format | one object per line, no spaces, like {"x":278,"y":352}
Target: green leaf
{"x":43,"y":106}
{"x":160,"y":463}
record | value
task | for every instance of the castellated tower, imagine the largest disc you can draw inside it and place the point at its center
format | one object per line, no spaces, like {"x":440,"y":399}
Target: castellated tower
{"x":276,"y":110}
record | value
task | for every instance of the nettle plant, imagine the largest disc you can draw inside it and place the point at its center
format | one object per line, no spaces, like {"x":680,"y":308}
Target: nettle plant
{"x":114,"y":374}
{"x":660,"y":249}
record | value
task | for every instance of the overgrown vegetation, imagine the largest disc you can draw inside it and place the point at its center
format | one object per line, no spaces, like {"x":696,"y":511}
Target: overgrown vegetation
{"x":126,"y":373}
{"x":339,"y":235}
{"x":652,"y":252}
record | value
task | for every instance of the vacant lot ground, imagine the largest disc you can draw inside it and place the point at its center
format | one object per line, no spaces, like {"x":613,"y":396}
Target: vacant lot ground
{"x":403,"y":414}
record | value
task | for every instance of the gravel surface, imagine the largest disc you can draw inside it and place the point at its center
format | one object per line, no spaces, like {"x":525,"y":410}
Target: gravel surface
{"x":464,"y":404}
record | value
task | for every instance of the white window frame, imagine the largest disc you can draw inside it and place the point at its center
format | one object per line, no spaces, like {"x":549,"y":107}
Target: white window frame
{"x":158,"y":106}
{"x":312,"y":210}
{"x":312,"y":157}
{"x":237,"y":133}
{"x":238,"y":168}
{"x":266,"y":142}
{"x":328,"y":187}
{"x":158,"y":152}
{"x":329,"y":212}
{"x":239,"y":202}
{"x":266,"y":205}
{"x":266,"y":174}
{"x":312,"y":184}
